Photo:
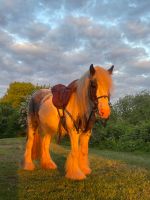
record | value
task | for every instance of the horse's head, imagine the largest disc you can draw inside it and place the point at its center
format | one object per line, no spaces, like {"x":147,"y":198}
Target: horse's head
{"x":101,"y":84}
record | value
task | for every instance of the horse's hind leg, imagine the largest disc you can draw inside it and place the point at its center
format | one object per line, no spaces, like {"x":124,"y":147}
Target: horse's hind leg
{"x":27,"y":162}
{"x":46,"y":160}
{"x":83,"y":153}
{"x":72,"y":165}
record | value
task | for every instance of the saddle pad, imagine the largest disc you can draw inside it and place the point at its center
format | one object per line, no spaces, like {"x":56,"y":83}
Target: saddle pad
{"x":62,"y":94}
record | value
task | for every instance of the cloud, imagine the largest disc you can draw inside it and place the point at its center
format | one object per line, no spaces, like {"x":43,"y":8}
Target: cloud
{"x":137,"y":31}
{"x":56,"y":41}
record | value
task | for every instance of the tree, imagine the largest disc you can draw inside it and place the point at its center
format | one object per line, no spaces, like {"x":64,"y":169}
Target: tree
{"x":12,"y":116}
{"x":9,"y":126}
{"x":134,"y":109}
{"x":18,"y":92}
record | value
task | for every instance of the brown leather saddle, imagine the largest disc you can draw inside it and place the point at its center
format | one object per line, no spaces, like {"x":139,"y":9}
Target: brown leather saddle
{"x":62,"y":94}
{"x":60,"y":99}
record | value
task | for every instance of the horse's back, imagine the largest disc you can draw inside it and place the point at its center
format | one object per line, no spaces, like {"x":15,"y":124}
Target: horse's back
{"x":36,"y":100}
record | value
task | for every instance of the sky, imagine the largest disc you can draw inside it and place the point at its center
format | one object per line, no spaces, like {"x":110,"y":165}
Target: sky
{"x":55,"y":41}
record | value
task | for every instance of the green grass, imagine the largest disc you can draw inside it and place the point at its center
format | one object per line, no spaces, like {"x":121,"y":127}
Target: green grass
{"x":139,"y":159}
{"x":115,"y":175}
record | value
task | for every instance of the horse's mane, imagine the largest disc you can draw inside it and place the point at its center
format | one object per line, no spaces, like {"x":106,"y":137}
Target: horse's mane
{"x":82,"y":94}
{"x":103,"y":79}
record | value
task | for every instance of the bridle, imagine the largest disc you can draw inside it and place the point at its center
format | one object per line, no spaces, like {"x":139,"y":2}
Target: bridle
{"x":92,"y":95}
{"x":93,"y":116}
{"x":106,"y":96}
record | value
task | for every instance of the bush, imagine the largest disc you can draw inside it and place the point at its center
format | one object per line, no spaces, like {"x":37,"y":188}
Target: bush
{"x":121,"y":139}
{"x":23,"y":110}
{"x":8,"y":121}
{"x":129,"y":126}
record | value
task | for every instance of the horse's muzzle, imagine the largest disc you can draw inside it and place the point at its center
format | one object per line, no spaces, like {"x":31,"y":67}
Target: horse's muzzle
{"x":104,"y":114}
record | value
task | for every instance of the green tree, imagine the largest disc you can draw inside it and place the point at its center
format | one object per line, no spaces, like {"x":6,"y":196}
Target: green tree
{"x":134,"y":109}
{"x":13,"y":107}
{"x":9,"y":126}
{"x":18,"y":92}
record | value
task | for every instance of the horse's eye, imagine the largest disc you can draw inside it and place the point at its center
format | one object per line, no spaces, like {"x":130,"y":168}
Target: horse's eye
{"x":93,"y":84}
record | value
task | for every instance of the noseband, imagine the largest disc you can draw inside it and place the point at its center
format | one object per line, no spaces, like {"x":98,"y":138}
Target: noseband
{"x":104,"y":96}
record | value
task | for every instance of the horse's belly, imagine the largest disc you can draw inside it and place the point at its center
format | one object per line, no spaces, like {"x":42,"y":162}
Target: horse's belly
{"x":49,"y":119}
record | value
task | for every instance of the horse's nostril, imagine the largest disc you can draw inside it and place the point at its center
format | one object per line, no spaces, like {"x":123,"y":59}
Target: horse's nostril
{"x":102,"y":113}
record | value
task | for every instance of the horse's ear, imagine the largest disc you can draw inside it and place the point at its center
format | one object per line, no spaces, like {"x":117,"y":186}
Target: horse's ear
{"x":110,"y":70}
{"x":92,"y":70}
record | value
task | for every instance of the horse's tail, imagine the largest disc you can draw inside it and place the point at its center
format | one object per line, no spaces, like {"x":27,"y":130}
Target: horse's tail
{"x":33,"y":120}
{"x":33,"y":123}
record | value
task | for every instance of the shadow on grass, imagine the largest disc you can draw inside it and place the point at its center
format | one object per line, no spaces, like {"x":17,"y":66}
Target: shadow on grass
{"x":9,"y":159}
{"x":60,"y":160}
{"x":8,"y":182}
{"x":16,"y":183}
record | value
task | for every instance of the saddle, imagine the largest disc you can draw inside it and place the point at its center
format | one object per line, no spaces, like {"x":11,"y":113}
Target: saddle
{"x":60,"y":99}
{"x":62,"y":94}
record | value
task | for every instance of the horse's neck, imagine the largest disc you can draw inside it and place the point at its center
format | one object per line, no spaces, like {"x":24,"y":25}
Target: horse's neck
{"x":74,"y":109}
{"x":73,"y":106}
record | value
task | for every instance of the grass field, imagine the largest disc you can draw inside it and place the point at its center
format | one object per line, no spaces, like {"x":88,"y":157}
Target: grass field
{"x":115,"y":175}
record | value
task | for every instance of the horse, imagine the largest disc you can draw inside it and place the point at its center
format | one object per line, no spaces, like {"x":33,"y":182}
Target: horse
{"x":89,"y":98}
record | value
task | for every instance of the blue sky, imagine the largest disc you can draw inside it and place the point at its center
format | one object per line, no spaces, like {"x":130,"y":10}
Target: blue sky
{"x":50,"y":42}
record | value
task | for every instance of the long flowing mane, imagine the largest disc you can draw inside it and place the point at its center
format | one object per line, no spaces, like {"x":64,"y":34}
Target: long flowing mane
{"x":82,"y":94}
{"x":103,"y":79}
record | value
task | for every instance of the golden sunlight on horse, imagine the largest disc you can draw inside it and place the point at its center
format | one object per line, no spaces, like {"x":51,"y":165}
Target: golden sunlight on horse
{"x":89,"y":96}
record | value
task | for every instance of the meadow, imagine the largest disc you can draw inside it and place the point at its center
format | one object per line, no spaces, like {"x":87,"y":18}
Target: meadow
{"x":115,"y":176}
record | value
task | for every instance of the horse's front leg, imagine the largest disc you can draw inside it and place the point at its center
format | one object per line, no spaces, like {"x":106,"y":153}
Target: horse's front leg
{"x":83,"y":152}
{"x":72,"y":165}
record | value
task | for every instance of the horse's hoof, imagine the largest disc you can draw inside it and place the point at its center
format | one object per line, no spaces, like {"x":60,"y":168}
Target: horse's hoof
{"x":76,"y":175}
{"x":28,"y":166}
{"x":86,"y":171}
{"x":49,"y":165}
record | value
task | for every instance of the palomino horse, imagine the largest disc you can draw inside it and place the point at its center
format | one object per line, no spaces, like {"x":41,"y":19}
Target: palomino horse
{"x":91,"y":96}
